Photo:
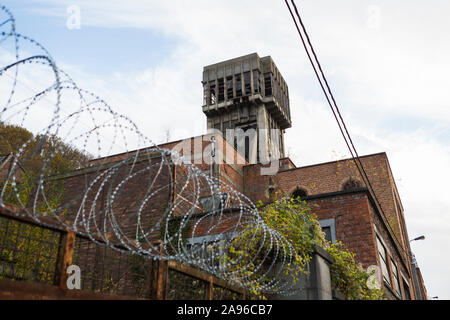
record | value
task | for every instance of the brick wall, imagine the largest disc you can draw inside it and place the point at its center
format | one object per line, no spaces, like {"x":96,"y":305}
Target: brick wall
{"x":353,"y":222}
{"x":330,"y":177}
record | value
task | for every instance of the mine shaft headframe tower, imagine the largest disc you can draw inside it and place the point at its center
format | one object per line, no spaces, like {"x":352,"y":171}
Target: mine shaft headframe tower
{"x":247,"y":92}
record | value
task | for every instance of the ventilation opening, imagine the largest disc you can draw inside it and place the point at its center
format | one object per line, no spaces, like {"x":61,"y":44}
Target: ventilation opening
{"x":351,"y":185}
{"x":299,"y":194}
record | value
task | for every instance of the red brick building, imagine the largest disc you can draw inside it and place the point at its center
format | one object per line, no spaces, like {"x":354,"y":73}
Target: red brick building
{"x":375,"y":232}
{"x":248,"y":93}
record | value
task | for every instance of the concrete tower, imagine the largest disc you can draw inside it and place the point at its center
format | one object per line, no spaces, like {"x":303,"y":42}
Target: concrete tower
{"x":248,"y":93}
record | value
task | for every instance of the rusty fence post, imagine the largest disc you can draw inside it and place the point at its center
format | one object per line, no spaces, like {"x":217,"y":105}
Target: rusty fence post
{"x":210,"y":289}
{"x":65,"y":256}
{"x":160,"y":275}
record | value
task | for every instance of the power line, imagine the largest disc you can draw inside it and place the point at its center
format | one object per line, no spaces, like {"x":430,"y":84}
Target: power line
{"x":334,"y":107}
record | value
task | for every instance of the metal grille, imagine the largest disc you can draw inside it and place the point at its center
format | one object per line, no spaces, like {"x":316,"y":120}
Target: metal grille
{"x":27,"y":252}
{"x":184,"y":287}
{"x":108,"y":271}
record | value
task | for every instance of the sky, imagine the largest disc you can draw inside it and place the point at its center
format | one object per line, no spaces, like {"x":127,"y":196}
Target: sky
{"x":386,"y":62}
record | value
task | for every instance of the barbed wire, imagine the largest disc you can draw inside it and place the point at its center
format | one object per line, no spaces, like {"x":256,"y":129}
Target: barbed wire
{"x":125,"y":200}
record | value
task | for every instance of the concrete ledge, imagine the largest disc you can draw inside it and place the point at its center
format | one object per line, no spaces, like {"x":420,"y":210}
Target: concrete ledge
{"x":321,"y":252}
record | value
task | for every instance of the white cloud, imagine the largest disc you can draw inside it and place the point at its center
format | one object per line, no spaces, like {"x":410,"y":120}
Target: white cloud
{"x":388,"y":70}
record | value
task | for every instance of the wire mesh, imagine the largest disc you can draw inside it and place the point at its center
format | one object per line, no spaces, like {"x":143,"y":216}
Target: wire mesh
{"x":221,"y":293}
{"x":184,"y":287}
{"x":109,"y":271}
{"x":27,"y":252}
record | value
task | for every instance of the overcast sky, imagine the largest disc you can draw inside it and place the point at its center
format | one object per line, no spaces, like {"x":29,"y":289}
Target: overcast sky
{"x":386,"y":61}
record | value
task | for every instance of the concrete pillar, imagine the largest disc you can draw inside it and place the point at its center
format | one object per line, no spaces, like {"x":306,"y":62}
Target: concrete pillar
{"x":316,"y":285}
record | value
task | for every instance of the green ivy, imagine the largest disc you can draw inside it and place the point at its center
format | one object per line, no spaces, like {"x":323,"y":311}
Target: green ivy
{"x":294,"y":220}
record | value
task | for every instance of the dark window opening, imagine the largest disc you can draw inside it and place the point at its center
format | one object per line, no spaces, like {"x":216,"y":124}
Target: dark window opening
{"x":247,"y":148}
{"x":299,"y":194}
{"x":256,"y":82}
{"x":238,"y":85}
{"x":221,"y":96}
{"x":351,"y":185}
{"x":212,"y":92}
{"x":407,"y":294}
{"x":205,"y":93}
{"x":268,"y":84}
{"x":226,"y":125}
{"x":247,"y":83}
{"x":230,"y":87}
{"x":327,"y":231}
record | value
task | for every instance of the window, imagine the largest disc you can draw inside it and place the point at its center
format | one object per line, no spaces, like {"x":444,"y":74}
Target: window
{"x":210,"y":248}
{"x":226,"y":125}
{"x":351,"y":184}
{"x":205,"y":93}
{"x":247,"y":83}
{"x":230,"y":87}
{"x":268,"y":84}
{"x":299,"y":193}
{"x":247,"y":147}
{"x":328,"y":227}
{"x":221,"y":90}
{"x":406,"y":292}
{"x":238,"y":85}
{"x":327,"y":231}
{"x":396,"y":278}
{"x":383,"y":261}
{"x":215,"y":202}
{"x":212,"y":92}
{"x":256,"y":82}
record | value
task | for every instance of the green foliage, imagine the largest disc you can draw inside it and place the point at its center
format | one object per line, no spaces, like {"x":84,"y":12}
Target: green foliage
{"x":349,"y":277}
{"x":295,"y":221}
{"x":29,"y":252}
{"x":38,"y":158}
{"x":36,"y":150}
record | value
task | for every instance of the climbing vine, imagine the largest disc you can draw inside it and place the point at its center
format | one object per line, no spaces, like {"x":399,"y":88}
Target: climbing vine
{"x":295,"y":220}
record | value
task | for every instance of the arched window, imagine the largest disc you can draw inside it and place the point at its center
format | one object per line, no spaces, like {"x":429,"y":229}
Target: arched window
{"x":351,"y":184}
{"x":299,"y":193}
